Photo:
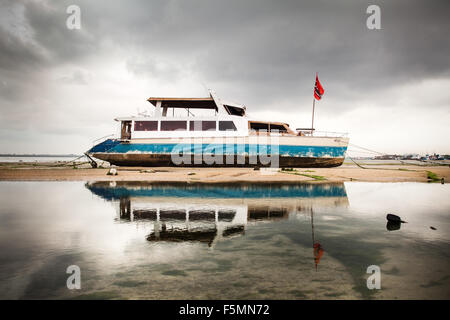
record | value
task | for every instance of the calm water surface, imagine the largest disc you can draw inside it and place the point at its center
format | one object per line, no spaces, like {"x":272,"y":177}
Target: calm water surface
{"x":138,"y":241}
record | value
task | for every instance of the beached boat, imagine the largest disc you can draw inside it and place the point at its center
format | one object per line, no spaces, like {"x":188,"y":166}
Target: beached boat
{"x":226,"y":136}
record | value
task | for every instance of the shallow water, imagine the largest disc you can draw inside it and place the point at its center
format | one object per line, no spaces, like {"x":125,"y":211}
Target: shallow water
{"x":138,"y":241}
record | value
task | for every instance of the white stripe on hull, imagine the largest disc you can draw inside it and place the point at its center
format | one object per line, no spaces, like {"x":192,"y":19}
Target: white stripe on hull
{"x":283,"y":140}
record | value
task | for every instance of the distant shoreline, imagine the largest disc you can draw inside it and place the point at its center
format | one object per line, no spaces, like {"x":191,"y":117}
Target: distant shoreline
{"x":39,"y":155}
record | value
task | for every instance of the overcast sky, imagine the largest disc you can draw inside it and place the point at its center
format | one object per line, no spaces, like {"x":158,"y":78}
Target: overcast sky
{"x":60,"y":89}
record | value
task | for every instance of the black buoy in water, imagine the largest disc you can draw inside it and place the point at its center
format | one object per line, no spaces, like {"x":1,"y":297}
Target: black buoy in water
{"x":394,"y":218}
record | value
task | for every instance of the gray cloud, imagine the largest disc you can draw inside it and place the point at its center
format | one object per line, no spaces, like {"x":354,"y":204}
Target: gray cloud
{"x":258,"y":52}
{"x":274,"y":48}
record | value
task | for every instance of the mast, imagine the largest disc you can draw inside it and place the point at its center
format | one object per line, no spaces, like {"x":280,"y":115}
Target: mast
{"x":312,"y":123}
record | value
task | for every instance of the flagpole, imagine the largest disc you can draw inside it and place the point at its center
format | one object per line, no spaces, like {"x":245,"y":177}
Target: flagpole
{"x":312,"y":124}
{"x":314,"y":104}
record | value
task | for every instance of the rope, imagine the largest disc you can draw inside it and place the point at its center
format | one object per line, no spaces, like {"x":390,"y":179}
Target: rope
{"x":357,"y":163}
{"x":380,"y":153}
{"x":373,"y":151}
{"x":383,"y":154}
{"x":377,"y":152}
{"x":66,"y":163}
{"x":369,"y":151}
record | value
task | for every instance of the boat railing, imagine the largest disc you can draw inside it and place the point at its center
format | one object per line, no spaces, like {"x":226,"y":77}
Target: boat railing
{"x":96,"y":141}
{"x":330,"y":134}
{"x":314,"y":133}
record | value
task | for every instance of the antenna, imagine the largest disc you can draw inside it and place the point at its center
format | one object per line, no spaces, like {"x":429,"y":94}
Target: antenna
{"x":204,"y":86}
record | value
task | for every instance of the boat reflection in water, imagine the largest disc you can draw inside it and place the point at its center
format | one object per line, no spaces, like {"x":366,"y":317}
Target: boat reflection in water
{"x":211,"y":213}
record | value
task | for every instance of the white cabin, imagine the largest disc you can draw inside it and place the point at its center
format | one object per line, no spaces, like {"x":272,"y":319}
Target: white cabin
{"x":226,"y":119}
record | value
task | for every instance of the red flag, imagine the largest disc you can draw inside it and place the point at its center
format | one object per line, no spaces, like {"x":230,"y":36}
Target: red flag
{"x":318,"y":90}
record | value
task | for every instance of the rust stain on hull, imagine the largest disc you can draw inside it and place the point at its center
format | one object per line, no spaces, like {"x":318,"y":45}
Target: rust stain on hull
{"x":165,"y":160}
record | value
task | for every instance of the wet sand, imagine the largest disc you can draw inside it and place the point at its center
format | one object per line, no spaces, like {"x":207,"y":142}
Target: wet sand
{"x":347,"y":172}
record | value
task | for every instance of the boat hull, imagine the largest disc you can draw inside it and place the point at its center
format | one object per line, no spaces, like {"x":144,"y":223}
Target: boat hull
{"x":292,"y":152}
{"x":165,"y":160}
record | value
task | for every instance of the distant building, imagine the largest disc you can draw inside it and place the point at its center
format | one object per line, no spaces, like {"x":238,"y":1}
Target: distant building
{"x":387,"y":157}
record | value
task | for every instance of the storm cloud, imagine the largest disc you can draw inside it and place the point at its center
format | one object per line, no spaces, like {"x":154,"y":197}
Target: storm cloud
{"x":61,"y":88}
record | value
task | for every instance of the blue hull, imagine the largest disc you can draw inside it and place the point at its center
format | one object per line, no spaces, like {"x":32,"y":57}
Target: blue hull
{"x":115,"y":146}
{"x":133,"y":154}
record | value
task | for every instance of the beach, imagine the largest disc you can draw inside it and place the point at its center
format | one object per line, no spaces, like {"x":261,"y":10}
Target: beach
{"x":373,"y":172}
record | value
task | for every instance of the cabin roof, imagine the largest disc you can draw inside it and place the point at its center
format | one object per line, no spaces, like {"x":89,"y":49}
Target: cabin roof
{"x":195,"y":103}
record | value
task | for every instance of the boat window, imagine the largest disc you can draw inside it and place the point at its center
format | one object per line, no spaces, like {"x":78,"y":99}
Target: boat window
{"x":234,"y":110}
{"x":259,"y":126}
{"x":202,"y":125}
{"x":173,"y":125}
{"x":227,"y":126}
{"x":146,"y":126}
{"x":277,"y":128}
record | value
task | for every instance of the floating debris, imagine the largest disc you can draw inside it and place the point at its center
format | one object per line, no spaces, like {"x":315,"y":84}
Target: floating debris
{"x":432,"y":228}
